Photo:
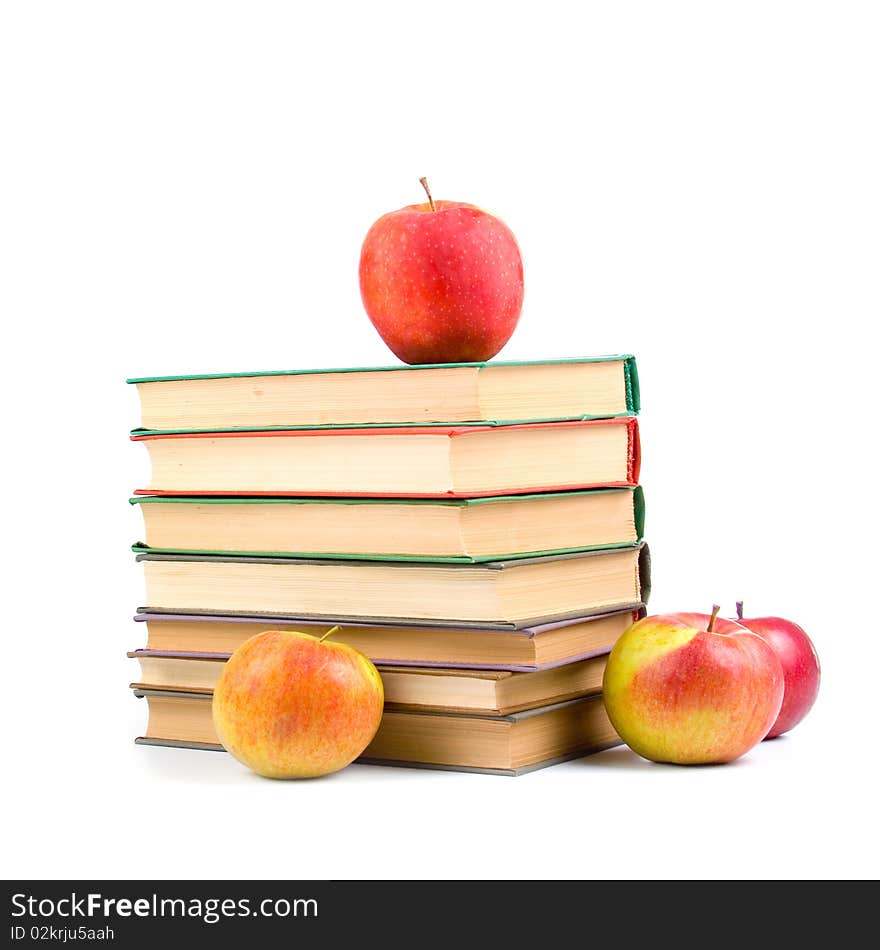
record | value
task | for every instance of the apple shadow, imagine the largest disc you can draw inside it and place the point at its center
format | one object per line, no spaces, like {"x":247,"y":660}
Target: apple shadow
{"x":188,"y":766}
{"x":197,"y":767}
{"x":623,"y":758}
{"x":206,"y":768}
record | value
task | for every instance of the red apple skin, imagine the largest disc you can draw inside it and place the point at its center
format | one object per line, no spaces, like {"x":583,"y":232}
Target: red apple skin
{"x":800,"y":665}
{"x":288,"y":705}
{"x":676,"y":692}
{"x":443,"y":286}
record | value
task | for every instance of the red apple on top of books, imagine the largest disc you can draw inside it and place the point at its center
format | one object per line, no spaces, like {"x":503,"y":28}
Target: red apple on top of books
{"x":290,"y":705}
{"x":800,"y":666}
{"x":442,"y":281}
{"x":691,"y":688}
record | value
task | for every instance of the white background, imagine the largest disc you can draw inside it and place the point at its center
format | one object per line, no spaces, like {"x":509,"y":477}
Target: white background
{"x":185,"y":187}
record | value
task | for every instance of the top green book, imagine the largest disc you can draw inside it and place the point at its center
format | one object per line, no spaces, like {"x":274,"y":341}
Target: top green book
{"x":461,"y":393}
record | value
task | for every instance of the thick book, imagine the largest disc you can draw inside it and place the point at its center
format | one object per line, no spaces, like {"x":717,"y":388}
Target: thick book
{"x":493,"y":692}
{"x":451,"y":392}
{"x":516,"y":591}
{"x":500,"y":647}
{"x":503,"y":745}
{"x":424,"y":461}
{"x":464,"y":530}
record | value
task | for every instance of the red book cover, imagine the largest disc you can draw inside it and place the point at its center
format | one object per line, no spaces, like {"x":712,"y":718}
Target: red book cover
{"x":452,"y":432}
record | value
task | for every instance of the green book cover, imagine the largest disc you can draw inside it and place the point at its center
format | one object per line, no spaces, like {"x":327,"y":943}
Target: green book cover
{"x":630,"y":384}
{"x":472,"y":424}
{"x":631,"y":375}
{"x":638,"y":512}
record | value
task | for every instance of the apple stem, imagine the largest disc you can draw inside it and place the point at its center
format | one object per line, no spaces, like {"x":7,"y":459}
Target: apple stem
{"x":424,"y":183}
{"x":739,"y":610}
{"x":329,"y":633}
{"x":715,"y":609}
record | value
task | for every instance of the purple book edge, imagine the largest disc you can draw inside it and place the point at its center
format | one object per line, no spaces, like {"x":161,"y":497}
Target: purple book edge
{"x":418,"y":664}
{"x":271,"y":621}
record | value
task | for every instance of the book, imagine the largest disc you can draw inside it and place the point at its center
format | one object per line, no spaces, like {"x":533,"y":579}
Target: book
{"x":495,"y":692}
{"x":462,"y":392}
{"x":424,"y":461}
{"x":488,"y":646}
{"x":516,"y":591}
{"x":506,"y":745}
{"x":465,"y":530}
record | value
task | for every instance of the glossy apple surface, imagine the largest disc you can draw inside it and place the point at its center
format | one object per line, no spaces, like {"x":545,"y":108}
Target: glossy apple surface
{"x":800,"y":666}
{"x":442,"y":283}
{"x":289,"y":705}
{"x":690,"y":688}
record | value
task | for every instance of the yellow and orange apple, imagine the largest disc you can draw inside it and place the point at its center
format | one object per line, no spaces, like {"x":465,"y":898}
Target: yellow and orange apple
{"x":291,"y":705}
{"x":691,"y":688}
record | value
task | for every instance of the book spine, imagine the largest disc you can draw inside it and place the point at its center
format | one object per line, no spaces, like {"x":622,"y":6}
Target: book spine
{"x":639,"y":511}
{"x":645,"y":573}
{"x":631,"y":381}
{"x":634,"y":452}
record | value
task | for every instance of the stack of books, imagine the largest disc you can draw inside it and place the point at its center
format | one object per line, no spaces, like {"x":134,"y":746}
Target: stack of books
{"x":475,"y":529}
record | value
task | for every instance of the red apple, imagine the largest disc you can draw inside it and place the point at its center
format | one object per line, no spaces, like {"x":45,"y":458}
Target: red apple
{"x":690,"y":688}
{"x":442,"y":282}
{"x":800,"y":665}
{"x":290,"y":705}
